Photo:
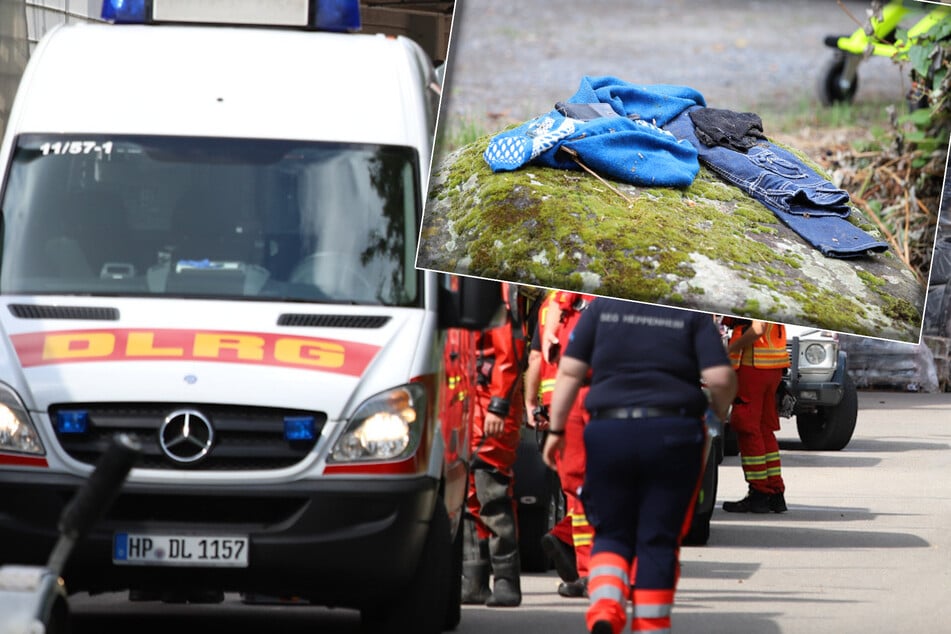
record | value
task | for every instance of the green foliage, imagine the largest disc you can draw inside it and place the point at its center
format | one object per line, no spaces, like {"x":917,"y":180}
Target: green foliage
{"x":927,"y":125}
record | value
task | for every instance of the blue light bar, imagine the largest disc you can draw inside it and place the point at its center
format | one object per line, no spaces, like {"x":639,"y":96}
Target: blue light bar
{"x":124,"y":11}
{"x":340,"y":16}
{"x":72,"y":421}
{"x":300,"y":428}
{"x":337,"y":15}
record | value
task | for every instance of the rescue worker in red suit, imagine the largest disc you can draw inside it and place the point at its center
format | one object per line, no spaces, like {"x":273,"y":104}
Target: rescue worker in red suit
{"x":571,"y":462}
{"x":558,"y":543}
{"x":757,"y":352}
{"x":491,"y":529}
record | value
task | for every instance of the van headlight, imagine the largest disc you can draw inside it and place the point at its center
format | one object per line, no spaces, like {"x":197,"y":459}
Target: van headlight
{"x":386,"y":426}
{"x":17,"y":433}
{"x":815,"y":354}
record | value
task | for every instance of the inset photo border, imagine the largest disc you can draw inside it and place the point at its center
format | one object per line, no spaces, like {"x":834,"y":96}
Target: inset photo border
{"x":571,"y":155}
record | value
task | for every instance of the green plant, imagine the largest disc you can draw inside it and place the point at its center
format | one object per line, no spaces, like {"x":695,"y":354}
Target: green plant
{"x":456,"y":133}
{"x":897,"y":175}
{"x":929,"y":57}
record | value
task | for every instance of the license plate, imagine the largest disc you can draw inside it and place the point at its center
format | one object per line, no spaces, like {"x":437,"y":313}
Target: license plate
{"x":155,"y":549}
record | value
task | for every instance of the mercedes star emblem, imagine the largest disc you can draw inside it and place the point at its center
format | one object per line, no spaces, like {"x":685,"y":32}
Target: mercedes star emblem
{"x":186,"y":436}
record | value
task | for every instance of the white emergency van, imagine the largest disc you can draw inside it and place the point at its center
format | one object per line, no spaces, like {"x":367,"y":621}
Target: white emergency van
{"x":209,"y":233}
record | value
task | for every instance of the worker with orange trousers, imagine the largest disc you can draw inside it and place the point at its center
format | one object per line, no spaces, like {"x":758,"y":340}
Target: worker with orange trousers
{"x":557,"y":329}
{"x":758,"y":353}
{"x":558,"y":543}
{"x":491,"y":529}
{"x":568,"y":543}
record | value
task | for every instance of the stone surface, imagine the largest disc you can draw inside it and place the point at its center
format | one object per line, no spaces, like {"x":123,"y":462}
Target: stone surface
{"x":709,"y":247}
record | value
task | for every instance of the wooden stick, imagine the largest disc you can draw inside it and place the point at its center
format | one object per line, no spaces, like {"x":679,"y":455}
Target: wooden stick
{"x":574,"y":157}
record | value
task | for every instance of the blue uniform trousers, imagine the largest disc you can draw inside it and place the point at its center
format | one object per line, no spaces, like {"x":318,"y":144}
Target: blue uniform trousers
{"x":640,"y":480}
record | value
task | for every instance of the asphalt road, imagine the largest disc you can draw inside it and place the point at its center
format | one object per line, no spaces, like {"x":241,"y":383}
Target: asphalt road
{"x":864,"y":548}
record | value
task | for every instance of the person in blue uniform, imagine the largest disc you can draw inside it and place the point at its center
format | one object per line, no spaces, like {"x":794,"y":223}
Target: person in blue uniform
{"x":644,"y":445}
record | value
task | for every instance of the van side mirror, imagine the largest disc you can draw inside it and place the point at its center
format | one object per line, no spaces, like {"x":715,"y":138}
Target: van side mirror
{"x":475,"y":305}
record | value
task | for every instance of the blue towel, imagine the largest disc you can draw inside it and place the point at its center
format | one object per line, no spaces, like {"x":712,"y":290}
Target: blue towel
{"x":512,"y":149}
{"x":630,"y":150}
{"x":657,"y":103}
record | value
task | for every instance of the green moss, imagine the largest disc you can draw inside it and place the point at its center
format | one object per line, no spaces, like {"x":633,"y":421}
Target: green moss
{"x":754,"y":212}
{"x":750,"y":307}
{"x":708,"y":186}
{"x":870,"y":280}
{"x":764,"y":282}
{"x":545,"y":226}
{"x":901,"y":310}
{"x":835,"y":312}
{"x":512,"y":229}
{"x":791,"y":260}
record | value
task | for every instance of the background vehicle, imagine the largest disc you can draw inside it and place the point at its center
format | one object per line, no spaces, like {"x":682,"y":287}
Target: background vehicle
{"x":839,"y":78}
{"x":699,"y":532}
{"x":817,"y":390}
{"x":211,"y":249}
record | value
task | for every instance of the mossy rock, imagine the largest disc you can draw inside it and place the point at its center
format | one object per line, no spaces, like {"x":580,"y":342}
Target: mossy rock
{"x":708,"y":247}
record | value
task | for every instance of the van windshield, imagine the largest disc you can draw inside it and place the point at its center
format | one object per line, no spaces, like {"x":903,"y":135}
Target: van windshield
{"x":212,"y":218}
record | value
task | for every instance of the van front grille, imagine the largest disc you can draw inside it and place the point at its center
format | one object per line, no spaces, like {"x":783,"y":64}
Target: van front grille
{"x":241,"y":438}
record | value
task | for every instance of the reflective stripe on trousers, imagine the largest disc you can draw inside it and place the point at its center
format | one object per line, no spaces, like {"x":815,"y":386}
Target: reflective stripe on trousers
{"x":608,"y":589}
{"x":652,"y":611}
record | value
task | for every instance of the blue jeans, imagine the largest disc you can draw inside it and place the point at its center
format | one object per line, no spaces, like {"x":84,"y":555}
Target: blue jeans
{"x":809,"y":204}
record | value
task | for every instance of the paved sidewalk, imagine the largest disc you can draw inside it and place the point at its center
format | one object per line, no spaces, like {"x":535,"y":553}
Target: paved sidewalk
{"x":865,"y":546}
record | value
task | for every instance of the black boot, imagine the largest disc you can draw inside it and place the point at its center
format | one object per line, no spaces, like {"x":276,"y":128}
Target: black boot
{"x":497,"y":511}
{"x":562,"y":555}
{"x":777,"y":503}
{"x":574,"y":589}
{"x":506,"y":593}
{"x":754,"y":502}
{"x":507,"y":587}
{"x":475,"y":583}
{"x":475,"y":567}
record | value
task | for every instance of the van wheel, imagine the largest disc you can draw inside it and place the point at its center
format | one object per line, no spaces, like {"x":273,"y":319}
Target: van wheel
{"x":731,"y":446}
{"x":422,"y":605}
{"x":454,"y":600}
{"x":831,"y":428}
{"x":699,"y":533}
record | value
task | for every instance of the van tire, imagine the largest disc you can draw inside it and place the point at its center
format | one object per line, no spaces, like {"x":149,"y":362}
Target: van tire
{"x":831,"y":428}
{"x":421,"y":607}
{"x":454,"y":600}
{"x":731,"y":445}
{"x":699,"y":532}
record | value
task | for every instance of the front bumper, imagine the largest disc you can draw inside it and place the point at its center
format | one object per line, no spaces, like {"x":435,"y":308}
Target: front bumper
{"x":339,"y":541}
{"x":819,"y":394}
